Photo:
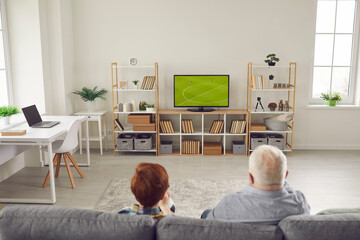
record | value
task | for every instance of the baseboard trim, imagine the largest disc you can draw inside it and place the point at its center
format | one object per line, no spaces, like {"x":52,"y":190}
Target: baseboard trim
{"x":326,"y":147}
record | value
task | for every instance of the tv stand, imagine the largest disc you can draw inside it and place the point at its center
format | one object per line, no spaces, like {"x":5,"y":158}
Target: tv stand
{"x":201,"y":109}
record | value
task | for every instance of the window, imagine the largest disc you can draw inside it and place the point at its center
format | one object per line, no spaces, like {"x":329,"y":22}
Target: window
{"x":4,"y":66}
{"x":334,"y":55}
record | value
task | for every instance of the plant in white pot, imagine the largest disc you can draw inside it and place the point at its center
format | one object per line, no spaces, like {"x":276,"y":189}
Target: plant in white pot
{"x":7,"y":112}
{"x":90,"y":95}
{"x":150,"y":108}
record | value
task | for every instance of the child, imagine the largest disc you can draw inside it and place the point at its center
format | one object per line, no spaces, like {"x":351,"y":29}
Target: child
{"x":149,"y":186}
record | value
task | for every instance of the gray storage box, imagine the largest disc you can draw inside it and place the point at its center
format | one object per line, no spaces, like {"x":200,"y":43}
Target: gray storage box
{"x":276,"y":140}
{"x":166,"y":147}
{"x":238,"y":147}
{"x":143,"y":142}
{"x":275,"y":125}
{"x":257,"y":139}
{"x":125,"y":142}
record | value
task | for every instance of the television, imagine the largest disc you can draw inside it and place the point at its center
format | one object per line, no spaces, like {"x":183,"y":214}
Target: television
{"x":200,"y":91}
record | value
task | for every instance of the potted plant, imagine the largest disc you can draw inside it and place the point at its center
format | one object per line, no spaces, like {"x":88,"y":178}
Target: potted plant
{"x":7,"y":112}
{"x":271,"y":77}
{"x":331,"y":98}
{"x":135,"y":83}
{"x":272,"y":106}
{"x":271,"y":59}
{"x":150,"y":108}
{"x":90,"y":95}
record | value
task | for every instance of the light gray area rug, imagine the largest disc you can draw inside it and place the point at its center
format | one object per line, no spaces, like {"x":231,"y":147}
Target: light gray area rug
{"x":191,"y":196}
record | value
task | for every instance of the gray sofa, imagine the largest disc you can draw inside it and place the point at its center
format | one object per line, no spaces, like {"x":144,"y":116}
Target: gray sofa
{"x":51,"y":222}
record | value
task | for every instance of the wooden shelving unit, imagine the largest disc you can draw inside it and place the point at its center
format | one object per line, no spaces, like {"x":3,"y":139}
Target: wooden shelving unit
{"x":118,"y":92}
{"x":283,"y":74}
{"x":202,"y":123}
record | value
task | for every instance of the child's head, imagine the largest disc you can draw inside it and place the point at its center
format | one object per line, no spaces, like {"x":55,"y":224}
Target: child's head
{"x":149,"y":183}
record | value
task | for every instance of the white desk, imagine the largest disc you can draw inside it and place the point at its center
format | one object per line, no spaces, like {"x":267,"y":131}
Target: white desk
{"x":95,"y":117}
{"x":42,"y":136}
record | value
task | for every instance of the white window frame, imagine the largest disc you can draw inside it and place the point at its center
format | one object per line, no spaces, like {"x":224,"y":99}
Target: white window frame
{"x":6,"y":52}
{"x":354,"y":81}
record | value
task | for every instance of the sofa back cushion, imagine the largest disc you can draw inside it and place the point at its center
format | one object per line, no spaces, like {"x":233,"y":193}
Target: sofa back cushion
{"x":179,"y":228}
{"x":50,"y":222}
{"x":326,"y":227}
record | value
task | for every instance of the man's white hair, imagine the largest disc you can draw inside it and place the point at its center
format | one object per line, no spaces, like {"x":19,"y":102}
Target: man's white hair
{"x":268,"y":165}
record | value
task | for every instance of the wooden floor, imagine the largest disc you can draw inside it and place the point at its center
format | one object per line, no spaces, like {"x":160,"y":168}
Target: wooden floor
{"x":329,"y":179}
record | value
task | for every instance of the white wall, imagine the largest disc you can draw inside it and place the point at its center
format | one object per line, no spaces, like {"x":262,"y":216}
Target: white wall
{"x":208,"y":36}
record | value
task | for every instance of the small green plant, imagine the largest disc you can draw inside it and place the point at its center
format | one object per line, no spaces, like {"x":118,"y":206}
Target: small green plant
{"x":149,"y":105}
{"x":88,"y":94}
{"x":8,"y":111}
{"x":331,"y":96}
{"x":135,"y":82}
{"x":271,"y":59}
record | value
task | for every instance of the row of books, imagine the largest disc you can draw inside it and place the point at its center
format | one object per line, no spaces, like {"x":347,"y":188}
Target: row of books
{"x":217,"y":126}
{"x":187,"y":126}
{"x":237,"y":126}
{"x":190,"y":147}
{"x":257,"y":82}
{"x":148,"y":83}
{"x":166,"y":126}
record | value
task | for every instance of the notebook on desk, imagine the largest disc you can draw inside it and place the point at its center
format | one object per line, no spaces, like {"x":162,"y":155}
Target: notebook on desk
{"x":34,"y":120}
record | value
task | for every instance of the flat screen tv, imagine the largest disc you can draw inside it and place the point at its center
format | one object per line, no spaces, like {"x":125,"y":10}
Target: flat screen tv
{"x":200,"y":91}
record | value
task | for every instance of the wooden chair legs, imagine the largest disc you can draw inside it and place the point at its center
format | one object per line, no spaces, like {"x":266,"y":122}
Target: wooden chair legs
{"x":57,"y":161}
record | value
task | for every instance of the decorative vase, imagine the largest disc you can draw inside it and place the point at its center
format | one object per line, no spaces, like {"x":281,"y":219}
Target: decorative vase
{"x":331,"y":103}
{"x":272,"y":109}
{"x":90,"y":105}
{"x":5,"y":120}
{"x":150,"y":109}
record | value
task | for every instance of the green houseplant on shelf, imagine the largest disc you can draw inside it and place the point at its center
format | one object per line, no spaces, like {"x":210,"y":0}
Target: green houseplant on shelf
{"x":271,"y":59}
{"x":89,"y":96}
{"x":7,"y":112}
{"x":150,"y":107}
{"x":331,"y":98}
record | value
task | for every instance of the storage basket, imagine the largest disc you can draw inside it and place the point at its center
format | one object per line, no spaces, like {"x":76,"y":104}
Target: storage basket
{"x":125,"y":142}
{"x":143,"y":142}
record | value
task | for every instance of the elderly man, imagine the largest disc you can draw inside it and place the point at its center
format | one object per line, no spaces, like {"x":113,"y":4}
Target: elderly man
{"x":268,"y":198}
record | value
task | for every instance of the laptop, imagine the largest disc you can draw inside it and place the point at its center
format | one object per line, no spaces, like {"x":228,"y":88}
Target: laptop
{"x":34,"y":120}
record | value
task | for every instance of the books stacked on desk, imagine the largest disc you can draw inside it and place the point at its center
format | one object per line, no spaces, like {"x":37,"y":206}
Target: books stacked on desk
{"x":237,"y":126}
{"x":187,"y":126}
{"x":13,"y":132}
{"x":166,"y":126}
{"x":190,"y":147}
{"x":148,"y":83}
{"x":217,"y":126}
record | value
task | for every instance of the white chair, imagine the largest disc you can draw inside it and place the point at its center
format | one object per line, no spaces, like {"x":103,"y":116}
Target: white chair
{"x":63,"y":148}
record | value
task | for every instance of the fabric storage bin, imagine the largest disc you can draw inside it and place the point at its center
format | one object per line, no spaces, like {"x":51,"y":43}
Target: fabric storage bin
{"x":166,"y":147}
{"x":257,"y":139}
{"x":238,"y":147}
{"x":125,"y":142}
{"x":143,"y":142}
{"x":276,"y":140}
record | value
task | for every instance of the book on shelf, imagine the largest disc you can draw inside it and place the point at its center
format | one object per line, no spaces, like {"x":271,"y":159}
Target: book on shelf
{"x":16,"y":132}
{"x":148,"y":83}
{"x":187,"y":126}
{"x":237,"y":126}
{"x":166,"y":126}
{"x":190,"y":147}
{"x":257,"y":82}
{"x":217,"y":126}
{"x":119,"y":125}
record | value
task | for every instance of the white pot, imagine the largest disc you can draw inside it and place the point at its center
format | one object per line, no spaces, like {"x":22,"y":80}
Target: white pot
{"x":5,"y":120}
{"x":91,"y":106}
{"x":150,"y":109}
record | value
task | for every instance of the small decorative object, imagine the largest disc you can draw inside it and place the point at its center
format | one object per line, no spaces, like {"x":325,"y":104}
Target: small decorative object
{"x":121,"y":107}
{"x":283,"y":85}
{"x":135,"y":83}
{"x":271,"y":77}
{"x":272,"y":106}
{"x":123,"y":85}
{"x":142,"y":106}
{"x":281,"y":106}
{"x":275,"y":85}
{"x":89,"y":95}
{"x":331,"y":98}
{"x":133,"y":102}
{"x":271,"y":59}
{"x":128,"y":107}
{"x":133,"y":61}
{"x":288,"y":85}
{"x":259,"y":103}
{"x":150,"y":107}
{"x":286,"y":106}
{"x":7,"y":112}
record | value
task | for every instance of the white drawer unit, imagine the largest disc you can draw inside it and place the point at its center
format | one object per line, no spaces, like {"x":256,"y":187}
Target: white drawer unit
{"x":95,"y":117}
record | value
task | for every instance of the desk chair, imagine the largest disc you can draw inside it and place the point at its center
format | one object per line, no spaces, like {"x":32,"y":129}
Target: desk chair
{"x":63,"y":148}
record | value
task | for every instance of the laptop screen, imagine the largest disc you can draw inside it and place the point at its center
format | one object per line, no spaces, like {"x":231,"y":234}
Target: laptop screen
{"x":32,"y":115}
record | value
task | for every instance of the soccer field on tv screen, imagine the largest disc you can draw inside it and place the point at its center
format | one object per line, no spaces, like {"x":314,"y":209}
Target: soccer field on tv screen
{"x":200,"y":91}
